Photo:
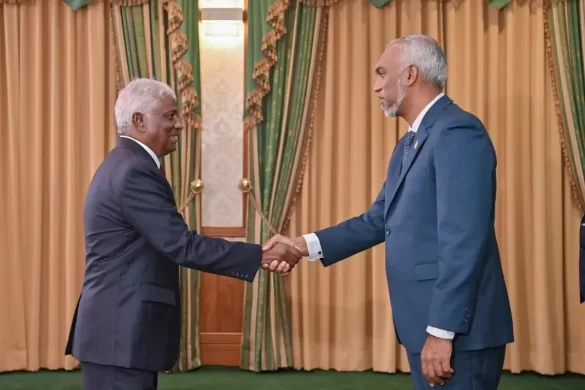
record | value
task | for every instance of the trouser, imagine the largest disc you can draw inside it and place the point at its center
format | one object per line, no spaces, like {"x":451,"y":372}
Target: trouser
{"x":100,"y":377}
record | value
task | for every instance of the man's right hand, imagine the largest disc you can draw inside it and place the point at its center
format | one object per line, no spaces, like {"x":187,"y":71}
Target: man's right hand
{"x":283,"y":268}
{"x":280,"y":257}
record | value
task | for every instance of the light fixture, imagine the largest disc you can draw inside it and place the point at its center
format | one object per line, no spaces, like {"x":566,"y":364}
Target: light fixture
{"x":222,"y":21}
{"x":221,"y":4}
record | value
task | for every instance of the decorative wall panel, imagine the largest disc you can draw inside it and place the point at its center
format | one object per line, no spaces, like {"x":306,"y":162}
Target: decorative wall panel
{"x":222,"y":104}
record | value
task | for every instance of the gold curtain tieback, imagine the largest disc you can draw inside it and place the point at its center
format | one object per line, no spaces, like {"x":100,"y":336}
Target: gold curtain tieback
{"x":196,"y":189}
{"x":245,"y":186}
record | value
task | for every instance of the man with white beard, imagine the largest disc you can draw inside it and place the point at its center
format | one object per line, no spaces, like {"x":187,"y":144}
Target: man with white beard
{"x":435,"y":214}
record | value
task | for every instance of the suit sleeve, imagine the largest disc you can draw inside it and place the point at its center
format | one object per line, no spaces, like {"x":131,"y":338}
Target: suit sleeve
{"x":465,"y":168}
{"x":148,"y":205}
{"x":354,"y":235}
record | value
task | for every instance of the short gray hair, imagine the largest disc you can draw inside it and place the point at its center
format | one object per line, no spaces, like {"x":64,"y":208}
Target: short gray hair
{"x":140,"y":95}
{"x":427,"y":55}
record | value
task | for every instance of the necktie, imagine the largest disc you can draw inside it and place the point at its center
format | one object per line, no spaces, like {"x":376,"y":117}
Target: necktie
{"x":407,"y":144}
{"x":162,"y":170}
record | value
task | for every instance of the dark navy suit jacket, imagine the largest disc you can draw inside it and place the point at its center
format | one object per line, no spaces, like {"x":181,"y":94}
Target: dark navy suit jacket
{"x":436,"y":217}
{"x":128,"y":313}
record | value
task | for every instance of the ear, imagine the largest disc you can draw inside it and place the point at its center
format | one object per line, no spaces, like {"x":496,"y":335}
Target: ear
{"x":411,"y":75}
{"x":138,"y":121}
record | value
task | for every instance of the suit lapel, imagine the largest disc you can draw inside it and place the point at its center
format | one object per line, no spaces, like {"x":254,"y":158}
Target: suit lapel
{"x":393,"y":172}
{"x":417,"y":144}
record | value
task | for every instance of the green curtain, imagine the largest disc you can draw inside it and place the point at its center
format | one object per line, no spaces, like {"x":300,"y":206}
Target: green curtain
{"x":159,"y":39}
{"x":564,"y":27}
{"x":499,"y":4}
{"x":77,"y":4}
{"x":283,"y":64}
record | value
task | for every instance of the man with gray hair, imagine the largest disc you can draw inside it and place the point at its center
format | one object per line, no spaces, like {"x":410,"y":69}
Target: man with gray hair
{"x":435,"y":214}
{"x":126,"y":327}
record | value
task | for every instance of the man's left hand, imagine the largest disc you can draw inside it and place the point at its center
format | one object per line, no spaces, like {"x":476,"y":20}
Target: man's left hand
{"x":436,"y":360}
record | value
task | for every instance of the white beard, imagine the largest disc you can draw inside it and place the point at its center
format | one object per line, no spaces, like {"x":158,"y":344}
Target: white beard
{"x":393,"y":109}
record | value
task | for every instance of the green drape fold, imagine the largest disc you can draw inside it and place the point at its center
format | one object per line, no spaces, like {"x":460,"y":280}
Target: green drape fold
{"x":285,"y":51}
{"x":565,"y":23}
{"x":499,"y":4}
{"x":77,"y":4}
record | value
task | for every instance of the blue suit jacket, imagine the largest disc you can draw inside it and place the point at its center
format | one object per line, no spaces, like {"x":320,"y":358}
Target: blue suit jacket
{"x":582,"y":261}
{"x":128,"y":314}
{"x":437,"y":221}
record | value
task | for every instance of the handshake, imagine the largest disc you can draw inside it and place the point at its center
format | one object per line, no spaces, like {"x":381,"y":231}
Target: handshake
{"x":280,"y":254}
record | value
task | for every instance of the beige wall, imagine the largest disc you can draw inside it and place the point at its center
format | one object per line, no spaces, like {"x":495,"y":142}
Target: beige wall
{"x":222,"y":74}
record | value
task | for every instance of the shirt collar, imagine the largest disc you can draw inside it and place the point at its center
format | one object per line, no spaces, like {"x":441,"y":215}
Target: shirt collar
{"x":420,"y":116}
{"x":150,"y":152}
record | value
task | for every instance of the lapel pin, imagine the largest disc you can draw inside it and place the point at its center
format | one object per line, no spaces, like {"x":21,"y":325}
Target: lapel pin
{"x":416,"y":144}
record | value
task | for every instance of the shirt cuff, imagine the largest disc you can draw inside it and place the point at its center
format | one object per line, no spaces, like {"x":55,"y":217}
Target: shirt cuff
{"x":440,"y":333}
{"x":313,"y":246}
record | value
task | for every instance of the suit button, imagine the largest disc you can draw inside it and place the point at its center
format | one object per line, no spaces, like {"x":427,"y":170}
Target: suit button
{"x":387,"y":232}
{"x":232,"y":273}
{"x":238,"y":274}
{"x":246,"y":276}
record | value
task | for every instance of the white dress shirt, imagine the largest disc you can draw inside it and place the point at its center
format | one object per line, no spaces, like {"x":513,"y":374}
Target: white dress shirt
{"x":314,"y":246}
{"x":149,"y":150}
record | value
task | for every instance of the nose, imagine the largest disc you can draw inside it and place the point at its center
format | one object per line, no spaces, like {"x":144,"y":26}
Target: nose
{"x":178,"y":124}
{"x":377,"y":86}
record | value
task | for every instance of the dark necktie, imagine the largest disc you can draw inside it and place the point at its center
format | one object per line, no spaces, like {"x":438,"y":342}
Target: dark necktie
{"x":407,"y":144}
